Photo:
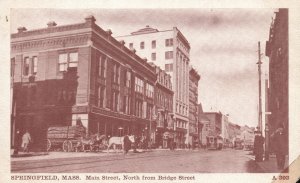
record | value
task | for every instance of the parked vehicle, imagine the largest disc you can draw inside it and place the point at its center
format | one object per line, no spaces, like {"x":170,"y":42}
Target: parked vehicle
{"x":238,"y":143}
{"x":64,"y":137}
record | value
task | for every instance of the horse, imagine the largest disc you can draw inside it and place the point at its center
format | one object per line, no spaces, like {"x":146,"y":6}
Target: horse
{"x":119,"y":141}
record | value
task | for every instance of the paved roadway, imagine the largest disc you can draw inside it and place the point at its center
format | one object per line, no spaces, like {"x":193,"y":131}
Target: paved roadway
{"x":155,"y":161}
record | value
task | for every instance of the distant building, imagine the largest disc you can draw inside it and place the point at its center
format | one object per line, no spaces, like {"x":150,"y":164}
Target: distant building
{"x":63,"y":75}
{"x":215,"y":119}
{"x":278,"y":52}
{"x":203,"y":125}
{"x":168,"y":49}
{"x":193,"y":128}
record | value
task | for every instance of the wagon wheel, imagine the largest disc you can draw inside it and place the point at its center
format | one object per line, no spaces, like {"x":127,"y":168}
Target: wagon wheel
{"x":48,"y":144}
{"x":67,"y":146}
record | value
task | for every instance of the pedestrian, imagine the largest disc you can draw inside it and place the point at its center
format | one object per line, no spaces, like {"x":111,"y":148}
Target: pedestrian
{"x":17,"y":142}
{"x":127,"y":144}
{"x":258,"y":150}
{"x":279,"y":140}
{"x":26,"y":139}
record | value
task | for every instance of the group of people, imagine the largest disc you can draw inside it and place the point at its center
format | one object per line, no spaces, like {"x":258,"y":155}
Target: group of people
{"x":26,"y":140}
{"x":278,"y":142}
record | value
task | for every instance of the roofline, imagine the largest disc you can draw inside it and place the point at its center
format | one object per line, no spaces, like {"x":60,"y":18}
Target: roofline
{"x":143,"y":33}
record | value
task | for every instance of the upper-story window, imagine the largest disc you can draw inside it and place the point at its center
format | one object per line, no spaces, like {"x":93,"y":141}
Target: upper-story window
{"x":139,"y":85}
{"x":153,"y":56}
{"x":149,"y":90}
{"x":116,"y":73}
{"x":67,"y":60}
{"x":128,"y":79}
{"x":12,"y":67}
{"x":169,"y":67}
{"x":168,"y":54}
{"x":34,"y":65}
{"x":26,"y":66}
{"x":142,"y":45}
{"x":131,"y":45}
{"x":169,"y":42}
{"x":102,"y":66}
{"x":153,"y":44}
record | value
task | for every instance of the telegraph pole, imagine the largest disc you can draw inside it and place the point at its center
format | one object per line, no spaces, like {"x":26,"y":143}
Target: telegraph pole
{"x":259,"y":89}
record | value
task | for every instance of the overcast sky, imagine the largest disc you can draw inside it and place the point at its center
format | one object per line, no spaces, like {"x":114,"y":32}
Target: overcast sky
{"x":223,"y":46}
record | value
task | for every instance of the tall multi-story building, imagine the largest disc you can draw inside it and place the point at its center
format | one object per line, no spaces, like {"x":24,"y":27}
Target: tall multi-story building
{"x":168,"y":49}
{"x":278,"y":52}
{"x":163,"y":101}
{"x":78,"y":73}
{"x":193,"y":124}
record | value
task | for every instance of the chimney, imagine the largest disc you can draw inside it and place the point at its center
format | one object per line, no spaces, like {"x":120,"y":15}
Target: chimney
{"x":51,"y":24}
{"x":109,"y":32}
{"x":22,"y":29}
{"x":122,"y":42}
{"x":90,"y":20}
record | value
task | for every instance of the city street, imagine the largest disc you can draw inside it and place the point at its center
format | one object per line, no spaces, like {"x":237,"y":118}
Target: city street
{"x":155,"y":161}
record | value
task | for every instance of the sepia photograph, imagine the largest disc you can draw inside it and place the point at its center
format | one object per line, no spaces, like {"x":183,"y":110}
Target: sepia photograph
{"x":165,"y":93}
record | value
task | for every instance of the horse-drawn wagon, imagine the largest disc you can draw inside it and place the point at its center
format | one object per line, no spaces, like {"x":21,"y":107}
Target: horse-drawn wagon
{"x":64,"y":137}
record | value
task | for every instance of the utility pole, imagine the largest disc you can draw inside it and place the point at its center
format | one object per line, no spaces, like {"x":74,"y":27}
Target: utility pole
{"x":259,"y":90}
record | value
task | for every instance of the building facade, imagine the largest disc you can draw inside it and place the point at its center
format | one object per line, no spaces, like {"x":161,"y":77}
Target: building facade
{"x":203,"y":126}
{"x":277,"y":50}
{"x":193,"y":124}
{"x":79,"y":72}
{"x":163,"y":101}
{"x":168,"y":49}
{"x":215,"y":119}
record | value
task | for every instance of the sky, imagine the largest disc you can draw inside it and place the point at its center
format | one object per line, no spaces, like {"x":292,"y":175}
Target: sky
{"x":223,"y":42}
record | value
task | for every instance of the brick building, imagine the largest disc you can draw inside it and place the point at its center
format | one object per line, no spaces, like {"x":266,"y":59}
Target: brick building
{"x":65,"y":74}
{"x":278,"y":52}
{"x":168,"y":49}
{"x":193,"y":128}
{"x":163,"y":101}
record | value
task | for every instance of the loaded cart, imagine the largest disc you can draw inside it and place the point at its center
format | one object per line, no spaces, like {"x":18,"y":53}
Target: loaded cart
{"x":64,"y":137}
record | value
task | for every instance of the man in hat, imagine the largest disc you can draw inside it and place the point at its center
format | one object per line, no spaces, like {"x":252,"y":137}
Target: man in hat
{"x":258,"y":150}
{"x":279,"y":140}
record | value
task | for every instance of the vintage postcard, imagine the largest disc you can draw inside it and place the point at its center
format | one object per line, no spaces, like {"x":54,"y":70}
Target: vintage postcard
{"x":124,"y":92}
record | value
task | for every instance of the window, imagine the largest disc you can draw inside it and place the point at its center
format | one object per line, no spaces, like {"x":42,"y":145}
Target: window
{"x":66,"y":60}
{"x":169,"y":42}
{"x":131,"y":45}
{"x":142,"y":45}
{"x":73,"y":59}
{"x":169,"y":68}
{"x":128,"y":79}
{"x":153,"y":44}
{"x":149,"y":90}
{"x":102,"y":66}
{"x":26,"y":66}
{"x":116,"y":73}
{"x":34,"y":65}
{"x":168,"y":54}
{"x":115,"y":99}
{"x":12,"y":67}
{"x":153,"y":56}
{"x":139,"y":85}
{"x":101,"y":96}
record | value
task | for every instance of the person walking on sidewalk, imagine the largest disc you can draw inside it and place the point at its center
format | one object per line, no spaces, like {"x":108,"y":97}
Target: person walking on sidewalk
{"x":26,"y":139}
{"x":279,"y":140}
{"x":258,"y":146}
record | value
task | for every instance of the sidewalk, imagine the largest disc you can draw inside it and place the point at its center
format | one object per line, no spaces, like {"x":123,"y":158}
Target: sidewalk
{"x":270,"y":166}
{"x":21,"y":156}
